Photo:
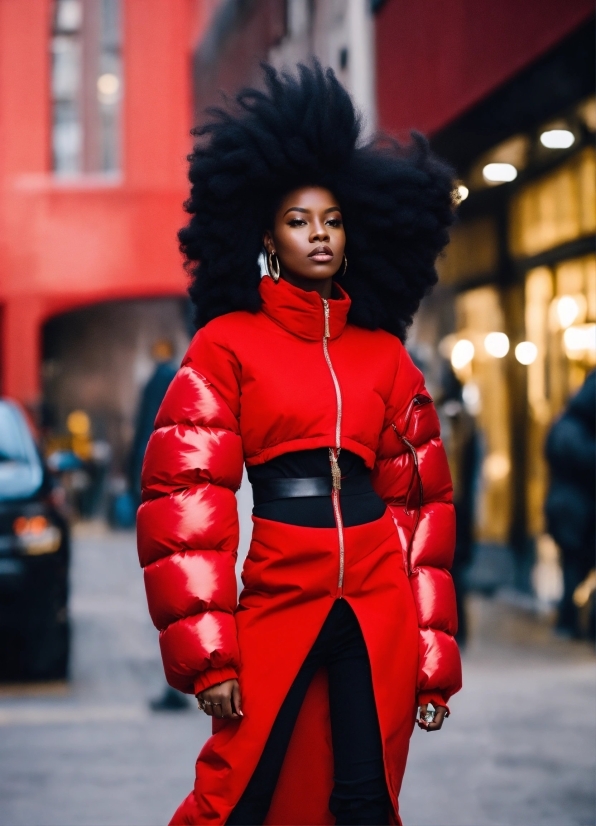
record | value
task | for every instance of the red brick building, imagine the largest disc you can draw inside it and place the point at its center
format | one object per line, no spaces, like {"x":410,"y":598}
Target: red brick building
{"x":82,"y":223}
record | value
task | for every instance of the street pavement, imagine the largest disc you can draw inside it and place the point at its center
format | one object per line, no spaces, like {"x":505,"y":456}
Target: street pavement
{"x":518,"y":750}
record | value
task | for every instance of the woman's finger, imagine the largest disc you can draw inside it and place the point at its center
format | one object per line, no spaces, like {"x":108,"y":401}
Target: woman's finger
{"x":226,"y":706}
{"x":237,"y":700}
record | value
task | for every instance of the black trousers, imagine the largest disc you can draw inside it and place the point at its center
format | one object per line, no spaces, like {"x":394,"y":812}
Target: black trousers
{"x":359,"y":793}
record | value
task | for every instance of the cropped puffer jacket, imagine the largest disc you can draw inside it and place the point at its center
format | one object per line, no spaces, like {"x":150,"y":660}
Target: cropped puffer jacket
{"x":295,"y":376}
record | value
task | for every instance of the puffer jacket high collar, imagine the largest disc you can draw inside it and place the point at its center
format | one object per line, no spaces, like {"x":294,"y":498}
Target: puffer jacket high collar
{"x":301,"y":311}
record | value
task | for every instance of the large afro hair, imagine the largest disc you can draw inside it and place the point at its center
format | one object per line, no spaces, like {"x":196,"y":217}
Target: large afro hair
{"x":396,"y":201}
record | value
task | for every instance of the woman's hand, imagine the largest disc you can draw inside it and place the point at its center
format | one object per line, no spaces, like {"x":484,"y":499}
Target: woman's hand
{"x":431,"y":724}
{"x":221,"y":700}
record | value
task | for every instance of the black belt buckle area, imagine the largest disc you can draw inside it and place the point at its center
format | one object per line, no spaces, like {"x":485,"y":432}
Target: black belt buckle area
{"x":269,"y":490}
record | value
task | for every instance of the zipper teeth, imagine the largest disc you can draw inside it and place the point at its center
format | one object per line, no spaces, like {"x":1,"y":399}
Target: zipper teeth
{"x":334,"y":377}
{"x":340,"y":532}
{"x":335,"y":494}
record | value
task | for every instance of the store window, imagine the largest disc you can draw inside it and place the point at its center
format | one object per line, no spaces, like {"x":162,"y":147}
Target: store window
{"x":472,"y":252}
{"x":557,"y":208}
{"x":560,"y":316}
{"x":86,"y":86}
{"x":477,"y":352}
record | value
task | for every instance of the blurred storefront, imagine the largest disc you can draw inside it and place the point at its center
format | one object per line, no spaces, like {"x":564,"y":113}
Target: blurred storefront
{"x":515,"y":310}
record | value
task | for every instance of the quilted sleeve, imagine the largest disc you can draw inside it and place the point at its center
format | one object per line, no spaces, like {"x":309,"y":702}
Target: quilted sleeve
{"x":412,"y":475}
{"x":187,"y":524}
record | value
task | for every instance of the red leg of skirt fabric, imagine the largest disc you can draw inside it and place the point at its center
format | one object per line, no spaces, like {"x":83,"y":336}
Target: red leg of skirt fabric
{"x":291,"y":581}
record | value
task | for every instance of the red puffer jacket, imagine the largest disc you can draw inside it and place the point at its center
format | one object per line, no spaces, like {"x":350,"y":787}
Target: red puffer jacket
{"x":296,"y":376}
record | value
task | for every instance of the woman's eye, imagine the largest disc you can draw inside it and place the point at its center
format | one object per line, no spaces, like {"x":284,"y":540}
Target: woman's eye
{"x":296,"y":222}
{"x":335,"y":222}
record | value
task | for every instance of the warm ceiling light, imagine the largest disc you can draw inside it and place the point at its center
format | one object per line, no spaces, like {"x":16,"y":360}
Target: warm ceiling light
{"x":497,"y":345}
{"x":496,"y":466}
{"x":499,"y":173}
{"x":462,"y":353}
{"x":567,"y":309}
{"x":526,"y":352}
{"x":580,"y":338}
{"x":557,"y":139}
{"x":462,"y":192}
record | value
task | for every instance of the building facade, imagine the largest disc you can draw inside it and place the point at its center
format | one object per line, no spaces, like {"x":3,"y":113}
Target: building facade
{"x":509,"y":101}
{"x":96,"y":109}
{"x":95,"y":105}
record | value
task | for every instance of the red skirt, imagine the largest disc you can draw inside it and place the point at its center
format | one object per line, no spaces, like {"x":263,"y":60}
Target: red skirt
{"x":290,"y":581}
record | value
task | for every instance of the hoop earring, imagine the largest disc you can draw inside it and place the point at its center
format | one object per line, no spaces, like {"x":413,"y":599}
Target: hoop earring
{"x":274,"y":272}
{"x":345,"y":266}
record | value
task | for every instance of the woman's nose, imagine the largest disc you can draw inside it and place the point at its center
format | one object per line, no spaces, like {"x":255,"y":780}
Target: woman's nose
{"x":320,"y":233}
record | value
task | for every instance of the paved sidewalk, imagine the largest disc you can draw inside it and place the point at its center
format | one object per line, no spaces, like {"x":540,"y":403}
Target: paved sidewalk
{"x":519,"y":749}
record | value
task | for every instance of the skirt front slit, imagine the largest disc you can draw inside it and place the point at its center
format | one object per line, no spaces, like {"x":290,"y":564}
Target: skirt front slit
{"x":359,"y":793}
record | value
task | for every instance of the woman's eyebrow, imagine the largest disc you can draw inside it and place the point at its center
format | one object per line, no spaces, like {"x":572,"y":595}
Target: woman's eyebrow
{"x":301,"y":209}
{"x":296,"y":209}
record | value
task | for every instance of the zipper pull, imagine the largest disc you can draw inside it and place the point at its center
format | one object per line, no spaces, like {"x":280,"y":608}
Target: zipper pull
{"x":326,"y":334}
{"x":335,"y":469}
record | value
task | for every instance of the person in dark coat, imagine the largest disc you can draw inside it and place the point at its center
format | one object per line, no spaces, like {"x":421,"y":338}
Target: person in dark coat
{"x":461,"y":440}
{"x":570,"y":506}
{"x":151,"y":398}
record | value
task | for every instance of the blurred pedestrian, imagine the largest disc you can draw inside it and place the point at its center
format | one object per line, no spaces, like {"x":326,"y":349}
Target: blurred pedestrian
{"x":152,"y":396}
{"x":162,"y":354}
{"x":570,"y":504}
{"x":303,"y":375}
{"x":460,"y":436}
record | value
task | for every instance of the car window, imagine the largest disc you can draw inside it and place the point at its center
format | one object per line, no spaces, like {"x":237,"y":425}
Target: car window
{"x":16,"y":444}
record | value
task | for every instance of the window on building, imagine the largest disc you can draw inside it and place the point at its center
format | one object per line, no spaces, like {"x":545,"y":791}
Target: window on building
{"x":299,"y":14}
{"x":86,"y":86}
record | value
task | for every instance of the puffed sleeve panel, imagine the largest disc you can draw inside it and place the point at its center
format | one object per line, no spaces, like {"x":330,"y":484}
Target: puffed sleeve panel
{"x":199,"y":651}
{"x":181,"y":455}
{"x":439,"y":669}
{"x":187,"y":524}
{"x":412,"y":475}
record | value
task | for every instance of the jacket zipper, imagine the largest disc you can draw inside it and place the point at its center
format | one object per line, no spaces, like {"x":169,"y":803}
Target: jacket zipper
{"x":335,"y":451}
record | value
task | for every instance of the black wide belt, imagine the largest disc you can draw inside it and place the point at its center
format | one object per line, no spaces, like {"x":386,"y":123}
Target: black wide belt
{"x":268,"y":490}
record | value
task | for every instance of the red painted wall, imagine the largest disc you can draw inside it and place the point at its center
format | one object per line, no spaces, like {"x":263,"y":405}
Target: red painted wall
{"x":63,"y":245}
{"x":436,"y":58}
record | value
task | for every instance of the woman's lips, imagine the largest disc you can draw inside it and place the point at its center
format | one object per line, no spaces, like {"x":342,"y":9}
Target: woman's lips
{"x":321,"y":254}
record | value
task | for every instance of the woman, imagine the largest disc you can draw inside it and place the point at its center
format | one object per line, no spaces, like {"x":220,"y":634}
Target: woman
{"x":345,"y":623}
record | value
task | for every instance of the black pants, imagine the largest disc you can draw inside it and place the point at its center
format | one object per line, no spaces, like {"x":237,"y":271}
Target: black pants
{"x":359,"y":793}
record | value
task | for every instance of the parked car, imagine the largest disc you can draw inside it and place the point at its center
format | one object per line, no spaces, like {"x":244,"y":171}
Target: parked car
{"x":34,"y":557}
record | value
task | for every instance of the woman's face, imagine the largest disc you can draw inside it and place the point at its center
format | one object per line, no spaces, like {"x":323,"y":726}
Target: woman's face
{"x":308,"y":238}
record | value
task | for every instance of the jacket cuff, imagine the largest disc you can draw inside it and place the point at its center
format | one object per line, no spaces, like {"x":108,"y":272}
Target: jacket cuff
{"x":435,"y":697}
{"x":213,"y":676}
